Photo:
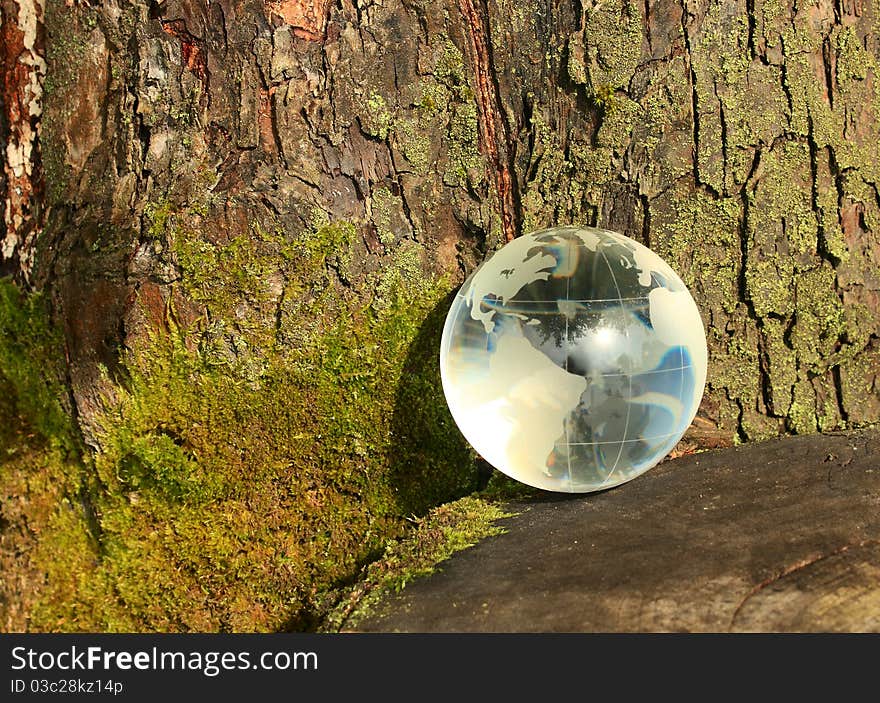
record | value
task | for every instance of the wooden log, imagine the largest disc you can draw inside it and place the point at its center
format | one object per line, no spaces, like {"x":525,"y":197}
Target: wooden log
{"x":777,"y":536}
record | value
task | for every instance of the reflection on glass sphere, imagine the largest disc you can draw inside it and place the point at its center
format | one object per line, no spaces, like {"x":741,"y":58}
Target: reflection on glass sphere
{"x":573,"y":359}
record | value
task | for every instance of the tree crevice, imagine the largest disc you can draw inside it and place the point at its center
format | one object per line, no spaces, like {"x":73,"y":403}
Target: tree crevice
{"x":494,"y":127}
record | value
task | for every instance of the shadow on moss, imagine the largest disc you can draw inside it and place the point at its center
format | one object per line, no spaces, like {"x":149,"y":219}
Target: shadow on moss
{"x":48,"y":529}
{"x":431,"y":462}
{"x":229,"y":496}
{"x":453,"y":497}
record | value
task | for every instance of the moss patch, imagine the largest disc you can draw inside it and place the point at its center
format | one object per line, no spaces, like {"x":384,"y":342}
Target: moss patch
{"x":260,"y":493}
{"x":45,"y":533}
{"x":252,"y":462}
{"x":444,"y":531}
{"x":30,"y":366}
{"x":613,"y":43}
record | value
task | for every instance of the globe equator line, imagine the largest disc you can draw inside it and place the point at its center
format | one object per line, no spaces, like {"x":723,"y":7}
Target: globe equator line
{"x":557,"y":300}
{"x":623,"y":441}
{"x":523,"y":311}
{"x":646,"y":373}
{"x":629,"y":377}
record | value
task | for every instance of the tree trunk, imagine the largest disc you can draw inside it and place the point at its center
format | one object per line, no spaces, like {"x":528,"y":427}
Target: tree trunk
{"x":739,"y":140}
{"x":242,"y":175}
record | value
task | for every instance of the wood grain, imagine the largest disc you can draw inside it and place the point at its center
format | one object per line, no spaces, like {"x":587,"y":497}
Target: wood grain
{"x":776,"y":536}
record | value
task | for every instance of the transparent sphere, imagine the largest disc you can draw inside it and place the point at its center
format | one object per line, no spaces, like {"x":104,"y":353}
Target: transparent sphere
{"x":573,"y":359}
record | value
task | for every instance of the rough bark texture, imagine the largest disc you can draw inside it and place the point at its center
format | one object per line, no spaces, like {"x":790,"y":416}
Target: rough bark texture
{"x":23,"y":69}
{"x":239,"y":177}
{"x":738,"y":139}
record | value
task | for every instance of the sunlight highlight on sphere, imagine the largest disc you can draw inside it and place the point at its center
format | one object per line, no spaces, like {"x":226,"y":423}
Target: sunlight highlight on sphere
{"x":573,"y":359}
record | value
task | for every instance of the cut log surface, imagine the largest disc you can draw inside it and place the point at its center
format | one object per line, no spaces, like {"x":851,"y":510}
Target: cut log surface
{"x":778,"y":536}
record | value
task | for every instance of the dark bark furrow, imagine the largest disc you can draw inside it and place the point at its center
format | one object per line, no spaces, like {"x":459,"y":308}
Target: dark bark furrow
{"x":695,"y":111}
{"x":493,"y":123}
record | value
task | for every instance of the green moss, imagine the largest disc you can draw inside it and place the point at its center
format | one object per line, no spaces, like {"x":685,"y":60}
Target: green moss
{"x":449,"y":63}
{"x":613,"y":40}
{"x":819,"y":319}
{"x":727,"y":79}
{"x":603,"y":97}
{"x":781,"y":366}
{"x":827,"y":413}
{"x":611,"y":53}
{"x":557,"y":189}
{"x":853,"y":61}
{"x":619,"y":115}
{"x":802,"y":413}
{"x":860,"y":387}
{"x":699,"y":236}
{"x":30,"y":366}
{"x":42,"y":474}
{"x":463,"y":136}
{"x":769,"y":287}
{"x":205,"y":472}
{"x":860,"y":323}
{"x":327,"y":240}
{"x":381,"y":204}
{"x":799,"y":43}
{"x":414,"y":143}
{"x":429,"y":102}
{"x":832,"y":239}
{"x":315,"y":450}
{"x":238,"y":495}
{"x":737,"y":368}
{"x":239,"y":277}
{"x":158,"y":218}
{"x":577,"y":71}
{"x":404,"y":274}
{"x":719,"y":64}
{"x":64,"y":553}
{"x":435,"y":108}
{"x":444,"y":531}
{"x":377,"y":117}
{"x":783,"y":230}
{"x":447,"y":108}
{"x":592,"y":166}
{"x":773,"y":15}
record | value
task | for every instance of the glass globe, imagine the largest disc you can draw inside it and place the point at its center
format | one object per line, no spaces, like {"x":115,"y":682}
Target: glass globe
{"x":573,"y":359}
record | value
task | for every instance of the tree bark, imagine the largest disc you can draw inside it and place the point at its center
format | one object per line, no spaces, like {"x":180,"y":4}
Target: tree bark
{"x":739,"y":140}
